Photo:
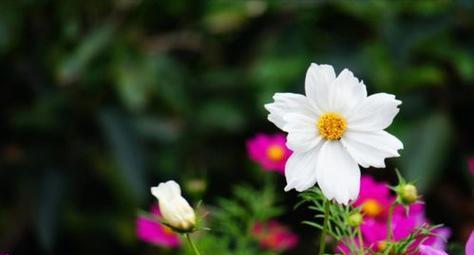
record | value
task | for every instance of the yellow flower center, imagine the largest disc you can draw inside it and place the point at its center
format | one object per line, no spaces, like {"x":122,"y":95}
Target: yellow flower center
{"x":331,"y":126}
{"x":275,"y":153}
{"x":372,"y":208}
{"x":382,"y":245}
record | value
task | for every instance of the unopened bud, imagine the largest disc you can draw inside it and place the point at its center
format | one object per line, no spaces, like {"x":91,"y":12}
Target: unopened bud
{"x":355,"y":219}
{"x":176,"y":211}
{"x":408,"y":194}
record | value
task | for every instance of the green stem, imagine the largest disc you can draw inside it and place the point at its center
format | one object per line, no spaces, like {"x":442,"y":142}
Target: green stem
{"x":191,"y":243}
{"x":389,"y":222}
{"x":361,"y":242}
{"x":322,"y":241}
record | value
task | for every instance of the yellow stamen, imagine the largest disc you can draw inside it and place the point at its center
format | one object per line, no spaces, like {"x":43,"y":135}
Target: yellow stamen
{"x":372,"y":208}
{"x":331,"y":126}
{"x":275,"y":152}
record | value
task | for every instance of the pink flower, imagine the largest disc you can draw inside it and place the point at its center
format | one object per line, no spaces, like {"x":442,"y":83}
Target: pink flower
{"x":342,"y":246}
{"x":150,"y":230}
{"x":374,"y":198}
{"x":375,"y":232}
{"x":470,"y":164}
{"x":269,"y":151}
{"x":470,"y":244}
{"x":404,"y":224}
{"x":428,"y":250}
{"x":274,"y":236}
{"x":439,"y":240}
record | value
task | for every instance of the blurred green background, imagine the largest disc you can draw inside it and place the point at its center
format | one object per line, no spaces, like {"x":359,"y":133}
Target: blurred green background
{"x":102,"y":99}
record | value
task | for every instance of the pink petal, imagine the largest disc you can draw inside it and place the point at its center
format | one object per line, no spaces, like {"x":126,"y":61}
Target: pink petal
{"x":470,"y":244}
{"x":149,"y":230}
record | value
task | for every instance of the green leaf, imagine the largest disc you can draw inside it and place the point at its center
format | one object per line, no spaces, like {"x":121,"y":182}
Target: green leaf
{"x":426,"y":145}
{"x":127,"y":149}
{"x":135,"y":79}
{"x":10,"y":25}
{"x":51,"y":192}
{"x":73,"y":66}
{"x":221,"y":115}
{"x":272,"y":74}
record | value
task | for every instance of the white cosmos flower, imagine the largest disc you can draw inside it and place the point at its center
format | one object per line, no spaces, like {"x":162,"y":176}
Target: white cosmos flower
{"x":175,"y":210}
{"x":332,"y":129}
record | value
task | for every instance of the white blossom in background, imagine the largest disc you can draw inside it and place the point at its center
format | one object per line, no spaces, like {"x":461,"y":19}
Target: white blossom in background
{"x":175,"y":210}
{"x":332,"y":130}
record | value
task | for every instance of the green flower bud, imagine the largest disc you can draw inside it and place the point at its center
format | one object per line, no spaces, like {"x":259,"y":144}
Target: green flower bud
{"x":408,"y":193}
{"x":355,"y":219}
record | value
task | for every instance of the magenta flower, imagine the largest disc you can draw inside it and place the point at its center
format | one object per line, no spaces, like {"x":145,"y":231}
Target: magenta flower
{"x":428,"y":250}
{"x":470,"y":244}
{"x":341,"y":247}
{"x":403,"y":224}
{"x":269,"y":151}
{"x":374,"y":198}
{"x":273,"y":236}
{"x":150,"y":230}
{"x":440,"y":239}
{"x":375,"y":232}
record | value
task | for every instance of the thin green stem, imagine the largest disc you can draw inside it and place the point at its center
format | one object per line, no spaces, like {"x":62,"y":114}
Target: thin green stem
{"x":191,"y":243}
{"x":361,"y":242}
{"x":322,"y":241}
{"x":389,"y":222}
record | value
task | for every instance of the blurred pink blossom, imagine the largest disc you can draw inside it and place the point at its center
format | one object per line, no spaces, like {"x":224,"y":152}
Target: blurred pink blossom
{"x":269,"y":151}
{"x":440,"y":239}
{"x":470,"y":165}
{"x":150,"y":230}
{"x":470,"y":244}
{"x":273,"y":236}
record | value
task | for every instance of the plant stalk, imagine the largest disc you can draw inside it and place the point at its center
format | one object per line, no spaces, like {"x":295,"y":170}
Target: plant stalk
{"x":191,"y":243}
{"x":389,"y":222}
{"x":361,"y":242}
{"x":322,"y":241}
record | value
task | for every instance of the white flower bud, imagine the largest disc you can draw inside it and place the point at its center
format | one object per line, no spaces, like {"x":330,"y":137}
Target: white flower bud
{"x":175,"y":210}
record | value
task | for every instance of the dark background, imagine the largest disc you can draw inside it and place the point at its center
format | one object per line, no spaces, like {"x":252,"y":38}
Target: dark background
{"x":102,"y":99}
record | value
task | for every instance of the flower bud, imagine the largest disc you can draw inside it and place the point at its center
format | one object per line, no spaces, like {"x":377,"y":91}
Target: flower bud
{"x":408,"y":193}
{"x":175,"y":210}
{"x":355,"y":219}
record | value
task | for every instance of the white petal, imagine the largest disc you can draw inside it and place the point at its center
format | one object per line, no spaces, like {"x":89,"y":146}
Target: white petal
{"x":166,"y":190}
{"x":346,"y":92}
{"x":338,"y":175}
{"x":375,"y":112}
{"x":371,"y":148}
{"x":175,"y":210}
{"x":287,"y":103}
{"x":302,"y":132}
{"x":300,"y":170}
{"x":317,"y":85}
